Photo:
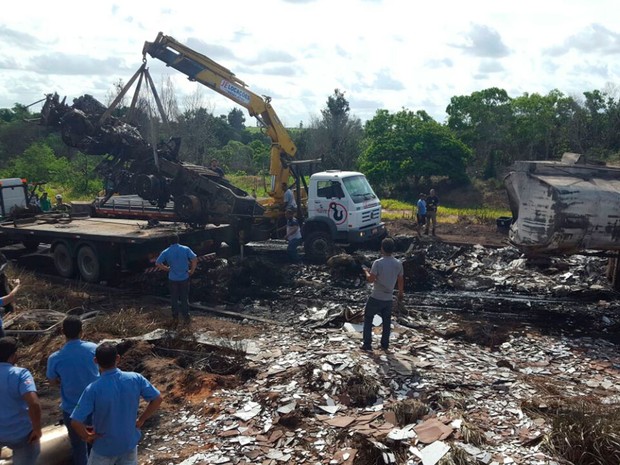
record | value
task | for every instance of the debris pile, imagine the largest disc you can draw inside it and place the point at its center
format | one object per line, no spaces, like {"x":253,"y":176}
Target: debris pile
{"x":317,"y":398}
{"x":493,"y":362}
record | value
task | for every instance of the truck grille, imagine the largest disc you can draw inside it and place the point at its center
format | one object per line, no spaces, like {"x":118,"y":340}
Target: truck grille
{"x":371,"y":216}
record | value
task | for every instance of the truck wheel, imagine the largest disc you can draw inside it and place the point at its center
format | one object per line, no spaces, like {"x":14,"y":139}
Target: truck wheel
{"x":63,"y":261}
{"x":318,"y":246}
{"x":89,"y":264}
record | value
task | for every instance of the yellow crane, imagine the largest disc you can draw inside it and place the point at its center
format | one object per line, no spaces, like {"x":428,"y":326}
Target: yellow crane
{"x":204,"y":70}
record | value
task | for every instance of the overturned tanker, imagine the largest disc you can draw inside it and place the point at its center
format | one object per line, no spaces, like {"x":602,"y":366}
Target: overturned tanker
{"x":564,"y":207}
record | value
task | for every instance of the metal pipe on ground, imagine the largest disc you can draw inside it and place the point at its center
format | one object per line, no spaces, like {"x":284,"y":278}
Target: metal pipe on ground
{"x":55,"y":448}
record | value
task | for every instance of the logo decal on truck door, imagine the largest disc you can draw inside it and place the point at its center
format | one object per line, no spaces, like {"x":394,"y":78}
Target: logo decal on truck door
{"x":337,"y":212}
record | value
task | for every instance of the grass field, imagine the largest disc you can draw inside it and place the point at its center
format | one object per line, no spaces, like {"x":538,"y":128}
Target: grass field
{"x":392,"y":209}
{"x":395,"y":209}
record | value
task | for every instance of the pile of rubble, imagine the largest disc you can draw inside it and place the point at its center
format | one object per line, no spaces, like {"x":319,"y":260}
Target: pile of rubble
{"x":317,"y":398}
{"x":454,"y":388}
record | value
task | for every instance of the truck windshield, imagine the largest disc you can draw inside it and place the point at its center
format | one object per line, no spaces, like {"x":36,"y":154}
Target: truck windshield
{"x":359,"y":189}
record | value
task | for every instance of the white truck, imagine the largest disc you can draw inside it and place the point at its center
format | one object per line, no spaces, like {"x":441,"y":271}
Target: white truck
{"x":342,"y":209}
{"x":13,"y":197}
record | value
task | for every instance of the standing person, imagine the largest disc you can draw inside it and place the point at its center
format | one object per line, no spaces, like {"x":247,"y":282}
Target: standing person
{"x":293,"y":235}
{"x":432,"y":203}
{"x":289,"y":198}
{"x":421,"y":214}
{"x":384,"y":274}
{"x":216,"y":167}
{"x":59,"y":206}
{"x":34,"y":201}
{"x":46,"y":204}
{"x":113,"y":400}
{"x":20,"y":410}
{"x":5,"y":301}
{"x":180,"y":262}
{"x":74,"y":368}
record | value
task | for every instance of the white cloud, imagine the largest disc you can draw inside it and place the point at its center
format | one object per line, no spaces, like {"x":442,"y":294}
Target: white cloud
{"x":385,"y":54}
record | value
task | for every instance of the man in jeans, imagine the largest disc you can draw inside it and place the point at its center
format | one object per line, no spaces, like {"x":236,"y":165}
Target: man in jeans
{"x":293,"y":235}
{"x":74,"y":368}
{"x":20,"y":410}
{"x":384,"y":274}
{"x":432,"y":202}
{"x":180,"y":262}
{"x":113,"y":400}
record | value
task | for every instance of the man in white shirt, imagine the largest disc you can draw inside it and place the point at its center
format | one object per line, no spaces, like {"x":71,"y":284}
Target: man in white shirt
{"x":293,"y":235}
{"x":289,"y":198}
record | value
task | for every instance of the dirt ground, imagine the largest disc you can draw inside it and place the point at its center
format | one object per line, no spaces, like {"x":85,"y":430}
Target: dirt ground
{"x":462,"y":232}
{"x":257,"y":379}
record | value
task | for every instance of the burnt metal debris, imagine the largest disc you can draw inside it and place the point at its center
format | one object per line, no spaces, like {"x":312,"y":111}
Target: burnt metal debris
{"x":463,"y":378}
{"x":131,"y":165}
{"x":564,"y":207}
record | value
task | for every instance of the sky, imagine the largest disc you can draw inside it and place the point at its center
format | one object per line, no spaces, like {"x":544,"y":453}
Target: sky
{"x":383,"y":54}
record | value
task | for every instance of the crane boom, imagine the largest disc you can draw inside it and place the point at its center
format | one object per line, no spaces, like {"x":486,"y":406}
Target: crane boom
{"x":201,"y":68}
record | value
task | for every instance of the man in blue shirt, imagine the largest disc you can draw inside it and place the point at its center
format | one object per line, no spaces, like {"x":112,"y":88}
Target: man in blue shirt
{"x":4,"y":301}
{"x":113,"y":401}
{"x":421,"y":215}
{"x":180,"y":262}
{"x":74,"y":368}
{"x":20,"y":411}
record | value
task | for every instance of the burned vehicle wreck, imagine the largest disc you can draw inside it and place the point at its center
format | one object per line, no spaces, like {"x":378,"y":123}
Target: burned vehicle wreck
{"x":564,"y":207}
{"x":131,"y":165}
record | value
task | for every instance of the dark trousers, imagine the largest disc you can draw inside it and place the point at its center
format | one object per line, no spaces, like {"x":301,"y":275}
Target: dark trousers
{"x":292,"y":249}
{"x":179,"y":298}
{"x":79,"y":448}
{"x":383,"y":308}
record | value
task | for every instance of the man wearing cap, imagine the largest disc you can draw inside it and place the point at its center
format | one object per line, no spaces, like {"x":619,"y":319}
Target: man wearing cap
{"x":59,"y":206}
{"x":20,"y":410}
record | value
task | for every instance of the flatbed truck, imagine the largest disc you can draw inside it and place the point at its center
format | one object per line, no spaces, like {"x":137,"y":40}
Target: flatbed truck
{"x":99,"y":242}
{"x":99,"y":249}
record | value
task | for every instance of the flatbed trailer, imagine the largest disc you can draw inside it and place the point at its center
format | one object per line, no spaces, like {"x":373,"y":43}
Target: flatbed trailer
{"x":101,"y":248}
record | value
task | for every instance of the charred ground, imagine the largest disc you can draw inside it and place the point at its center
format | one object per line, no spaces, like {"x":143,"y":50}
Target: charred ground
{"x":493,"y":358}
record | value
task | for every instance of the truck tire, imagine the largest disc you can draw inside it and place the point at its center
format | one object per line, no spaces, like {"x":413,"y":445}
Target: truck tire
{"x":63,"y":261}
{"x":89,"y":264}
{"x":318,"y":246}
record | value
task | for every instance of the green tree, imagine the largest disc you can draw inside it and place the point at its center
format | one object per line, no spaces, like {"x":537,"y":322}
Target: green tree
{"x":198,"y":130}
{"x":403,"y":148}
{"x":38,"y":163}
{"x":18,"y":133}
{"x":260,"y":155}
{"x":337,"y":136}
{"x":483,"y":121}
{"x":236,"y":119}
{"x":536,"y":133}
{"x":236,"y":157}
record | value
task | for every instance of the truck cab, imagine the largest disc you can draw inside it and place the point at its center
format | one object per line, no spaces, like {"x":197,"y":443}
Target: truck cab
{"x":342,"y":209}
{"x":13,"y":196}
